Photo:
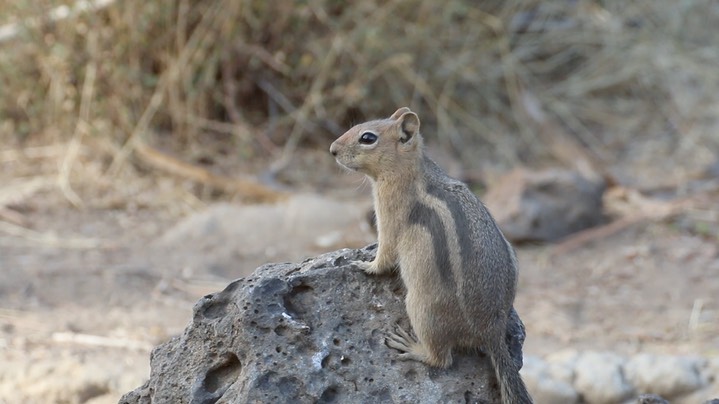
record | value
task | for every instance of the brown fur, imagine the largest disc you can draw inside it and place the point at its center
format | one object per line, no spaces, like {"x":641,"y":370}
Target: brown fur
{"x":459,"y":270}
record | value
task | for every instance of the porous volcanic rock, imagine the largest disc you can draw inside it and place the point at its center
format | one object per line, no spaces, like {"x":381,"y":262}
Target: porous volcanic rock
{"x":309,"y":332}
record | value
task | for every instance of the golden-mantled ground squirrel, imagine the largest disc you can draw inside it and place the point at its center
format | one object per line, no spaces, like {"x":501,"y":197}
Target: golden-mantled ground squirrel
{"x":459,"y":270}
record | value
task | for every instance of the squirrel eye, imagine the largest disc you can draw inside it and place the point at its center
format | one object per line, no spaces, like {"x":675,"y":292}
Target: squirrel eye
{"x":368,"y":138}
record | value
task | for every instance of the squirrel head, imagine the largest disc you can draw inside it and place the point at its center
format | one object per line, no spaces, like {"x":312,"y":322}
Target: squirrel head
{"x":381,"y":148}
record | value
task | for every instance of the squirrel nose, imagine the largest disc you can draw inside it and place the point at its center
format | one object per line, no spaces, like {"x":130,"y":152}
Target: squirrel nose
{"x":333,"y":149}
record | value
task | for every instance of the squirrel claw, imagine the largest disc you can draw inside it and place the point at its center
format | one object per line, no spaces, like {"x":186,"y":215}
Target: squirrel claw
{"x":369,"y":267}
{"x":400,"y":340}
{"x":362,"y":265}
{"x":406,"y":356}
{"x":404,"y":334}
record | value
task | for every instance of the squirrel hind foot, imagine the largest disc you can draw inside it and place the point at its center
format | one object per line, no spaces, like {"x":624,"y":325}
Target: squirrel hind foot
{"x":412,"y":349}
{"x":370,"y":267}
{"x":362,"y":265}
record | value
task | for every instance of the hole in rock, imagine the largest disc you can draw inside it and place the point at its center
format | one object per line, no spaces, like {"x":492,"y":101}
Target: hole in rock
{"x":330,"y":395}
{"x":222,"y":375}
{"x":299,"y":301}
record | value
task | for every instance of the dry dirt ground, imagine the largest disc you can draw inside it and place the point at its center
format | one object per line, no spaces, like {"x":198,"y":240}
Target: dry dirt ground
{"x":86,"y":293}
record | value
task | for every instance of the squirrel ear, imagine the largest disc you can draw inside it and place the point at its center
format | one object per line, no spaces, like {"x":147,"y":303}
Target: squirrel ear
{"x":409,"y":123}
{"x":399,"y":113}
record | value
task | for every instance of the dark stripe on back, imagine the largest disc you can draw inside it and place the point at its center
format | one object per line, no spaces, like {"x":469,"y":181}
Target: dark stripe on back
{"x":427,"y":217}
{"x":490,"y":237}
{"x":461,"y":225}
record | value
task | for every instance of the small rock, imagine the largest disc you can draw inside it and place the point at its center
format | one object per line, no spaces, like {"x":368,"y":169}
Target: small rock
{"x":667,"y":376}
{"x":562,"y":364}
{"x":562,"y":372}
{"x":534,"y":368}
{"x":651,"y":399}
{"x":552,"y":391}
{"x":600,"y":378}
{"x":710,"y":372}
{"x":544,"y":205}
{"x":543,"y":387}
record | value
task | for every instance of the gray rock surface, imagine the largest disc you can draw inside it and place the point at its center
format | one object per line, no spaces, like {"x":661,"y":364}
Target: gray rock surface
{"x":309,"y":332}
{"x":651,"y":399}
{"x":664,"y":375}
{"x":545,"y":388}
{"x":544,"y":205}
{"x":561,"y":365}
{"x":599,"y":378}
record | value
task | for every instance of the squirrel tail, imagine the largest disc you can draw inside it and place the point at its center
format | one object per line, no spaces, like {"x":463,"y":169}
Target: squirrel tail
{"x":510,"y":382}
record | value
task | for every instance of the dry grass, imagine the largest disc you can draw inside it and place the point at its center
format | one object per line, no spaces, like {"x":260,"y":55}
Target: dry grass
{"x":263,"y":78}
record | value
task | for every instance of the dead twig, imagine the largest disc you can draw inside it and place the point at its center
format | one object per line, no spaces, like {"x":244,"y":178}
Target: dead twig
{"x":81,"y":129}
{"x":246,"y":187}
{"x":199,"y":36}
{"x":100,"y":341}
{"x":21,"y":189}
{"x":639,"y":209}
{"x":16,"y":193}
{"x":564,"y":147}
{"x":584,"y":237}
{"x":12,"y":216}
{"x":51,"y":239}
{"x":20,"y":319}
{"x":37,"y":152}
{"x":314,"y":98}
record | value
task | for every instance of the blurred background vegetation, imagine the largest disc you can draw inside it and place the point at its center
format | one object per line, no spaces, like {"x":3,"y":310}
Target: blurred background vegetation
{"x":258,"y":80}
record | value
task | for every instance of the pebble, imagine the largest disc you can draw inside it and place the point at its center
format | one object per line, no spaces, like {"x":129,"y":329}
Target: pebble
{"x":667,"y":376}
{"x":543,"y":386}
{"x":600,"y":378}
